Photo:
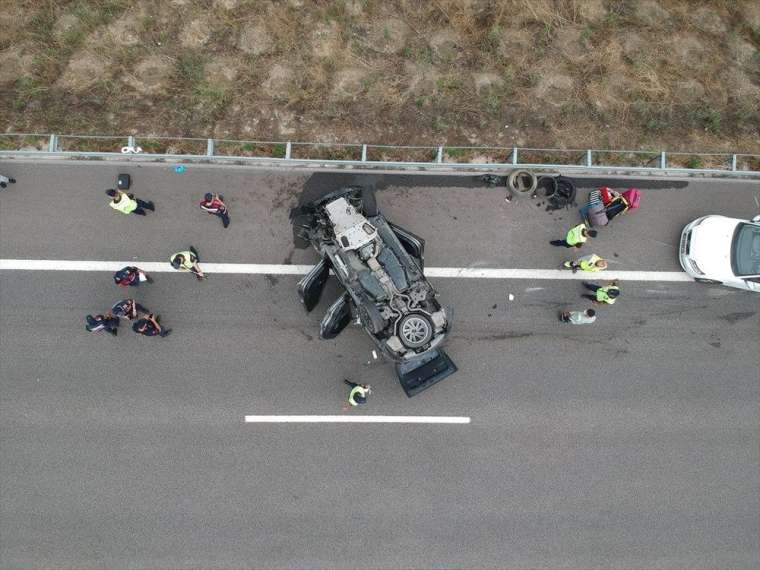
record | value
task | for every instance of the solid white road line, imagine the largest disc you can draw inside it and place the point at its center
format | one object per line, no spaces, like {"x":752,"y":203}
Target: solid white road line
{"x":274,"y":269}
{"x":359,"y":419}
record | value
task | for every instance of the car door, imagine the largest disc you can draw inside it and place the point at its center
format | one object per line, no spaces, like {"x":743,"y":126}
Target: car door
{"x":414,"y":245}
{"x":311,"y":286}
{"x":337,"y":317}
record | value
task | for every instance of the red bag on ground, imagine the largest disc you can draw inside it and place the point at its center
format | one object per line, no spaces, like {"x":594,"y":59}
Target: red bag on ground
{"x":607,"y":194}
{"x":633,"y":197}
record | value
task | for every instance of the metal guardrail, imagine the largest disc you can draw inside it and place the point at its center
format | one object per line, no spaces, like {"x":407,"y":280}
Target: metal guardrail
{"x":389,"y":156}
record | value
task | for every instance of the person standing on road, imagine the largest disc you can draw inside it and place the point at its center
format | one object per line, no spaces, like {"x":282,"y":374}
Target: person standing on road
{"x":358,"y":394}
{"x":127,"y":203}
{"x":578,"y":317}
{"x":107,"y":322}
{"x":187,"y":261}
{"x":603,"y":295}
{"x":4,"y":181}
{"x":149,"y":326}
{"x":589,"y":263}
{"x":128,"y":309}
{"x":213,"y":203}
{"x":130,"y":277}
{"x":575,"y":237}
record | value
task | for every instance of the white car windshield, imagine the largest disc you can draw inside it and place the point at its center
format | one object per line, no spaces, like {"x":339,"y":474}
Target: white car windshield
{"x":745,"y":255}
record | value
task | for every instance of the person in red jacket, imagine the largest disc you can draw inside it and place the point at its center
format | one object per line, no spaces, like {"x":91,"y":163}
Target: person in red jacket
{"x":213,"y":203}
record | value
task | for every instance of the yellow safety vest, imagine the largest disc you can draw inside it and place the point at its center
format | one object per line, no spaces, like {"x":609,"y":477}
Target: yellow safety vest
{"x":124,"y":204}
{"x":575,"y":235}
{"x":589,"y":263}
{"x":603,"y":297}
{"x":187,"y":265}
{"x":356,"y":391}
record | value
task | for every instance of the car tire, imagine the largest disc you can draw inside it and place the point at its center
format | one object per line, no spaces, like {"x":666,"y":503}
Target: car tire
{"x":415,"y":330}
{"x":522,"y":181}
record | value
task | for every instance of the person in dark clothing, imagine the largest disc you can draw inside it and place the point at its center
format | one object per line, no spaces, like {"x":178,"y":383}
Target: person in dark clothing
{"x":107,"y":322}
{"x":213,"y":203}
{"x":128,"y":309}
{"x":149,"y":326}
{"x":130,"y":277}
{"x":127,"y":203}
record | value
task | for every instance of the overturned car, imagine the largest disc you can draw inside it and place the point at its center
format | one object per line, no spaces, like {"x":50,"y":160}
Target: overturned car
{"x":379,"y":266}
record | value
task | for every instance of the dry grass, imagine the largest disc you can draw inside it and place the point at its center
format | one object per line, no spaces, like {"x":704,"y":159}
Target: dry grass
{"x":674,"y":74}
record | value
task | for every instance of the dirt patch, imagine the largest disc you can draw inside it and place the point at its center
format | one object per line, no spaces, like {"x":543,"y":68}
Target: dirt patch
{"x":445,"y":44}
{"x":325,"y":40}
{"x":689,"y":50}
{"x":388,"y":36}
{"x":278,"y":81}
{"x":195,"y":34}
{"x":486,"y":81}
{"x":348,"y":83}
{"x":255,"y":39}
{"x":553,"y":87}
{"x":651,"y":13}
{"x":152,"y":75}
{"x":224,"y":69}
{"x":84,"y":70}
{"x":14,"y":64}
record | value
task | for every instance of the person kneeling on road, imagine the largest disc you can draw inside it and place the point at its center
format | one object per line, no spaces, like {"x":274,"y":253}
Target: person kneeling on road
{"x":578,"y":317}
{"x":187,"y":261}
{"x":358,"y":394}
{"x":127,"y":203}
{"x":589,"y":263}
{"x":149,"y":326}
{"x":106,"y":322}
{"x":130,"y":277}
{"x":213,"y":203}
{"x":128,"y":309}
{"x":603,"y":295}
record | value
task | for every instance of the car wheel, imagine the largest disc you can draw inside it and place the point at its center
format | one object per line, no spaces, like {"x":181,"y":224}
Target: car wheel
{"x":710,"y":281}
{"x":415,"y":330}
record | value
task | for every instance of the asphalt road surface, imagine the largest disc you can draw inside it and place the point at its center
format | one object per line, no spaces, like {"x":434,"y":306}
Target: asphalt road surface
{"x":633,"y":443}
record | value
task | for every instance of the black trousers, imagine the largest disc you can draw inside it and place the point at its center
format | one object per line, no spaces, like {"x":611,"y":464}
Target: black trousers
{"x":142,"y":205}
{"x":561,"y":243}
{"x":225,"y":218}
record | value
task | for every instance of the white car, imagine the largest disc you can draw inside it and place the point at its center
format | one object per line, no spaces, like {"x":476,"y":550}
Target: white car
{"x":717,"y":249}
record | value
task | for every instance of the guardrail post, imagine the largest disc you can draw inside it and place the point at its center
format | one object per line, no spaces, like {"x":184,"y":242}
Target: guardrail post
{"x":287,"y":150}
{"x":663,"y":160}
{"x":209,"y":147}
{"x":589,"y":162}
{"x":364,"y":153}
{"x":53,"y":143}
{"x":439,"y":155}
{"x":131,"y":141}
{"x":733,"y":163}
{"x":514,"y":155}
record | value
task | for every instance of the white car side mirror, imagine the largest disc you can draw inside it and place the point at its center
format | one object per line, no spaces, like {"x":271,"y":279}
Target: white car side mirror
{"x":756,"y":219}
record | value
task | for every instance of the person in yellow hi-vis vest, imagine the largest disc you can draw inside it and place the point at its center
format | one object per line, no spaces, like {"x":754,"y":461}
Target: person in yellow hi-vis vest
{"x":589,"y":263}
{"x":575,"y":237}
{"x":603,"y":295}
{"x":187,"y":261}
{"x":358,"y":394}
{"x":127,"y":203}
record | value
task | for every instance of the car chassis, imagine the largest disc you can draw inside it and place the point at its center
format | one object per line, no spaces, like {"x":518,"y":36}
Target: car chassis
{"x":380,"y":267}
